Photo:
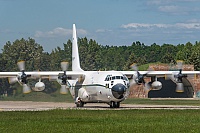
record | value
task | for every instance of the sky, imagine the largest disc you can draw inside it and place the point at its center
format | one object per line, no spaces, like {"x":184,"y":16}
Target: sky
{"x":108,"y":22}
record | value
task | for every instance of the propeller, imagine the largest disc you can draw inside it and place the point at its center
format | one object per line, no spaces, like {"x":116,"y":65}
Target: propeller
{"x":21,"y":65}
{"x":63,"y":89}
{"x":139,"y":78}
{"x":22,"y":78}
{"x":63,"y":78}
{"x":179,"y":81}
{"x":64,"y":66}
{"x":26,"y":89}
{"x":178,"y":77}
{"x":12,"y":80}
{"x":179,"y":87}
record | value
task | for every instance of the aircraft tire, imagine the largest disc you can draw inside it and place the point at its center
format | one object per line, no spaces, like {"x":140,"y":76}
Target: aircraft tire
{"x":80,"y":104}
{"x":115,"y":104}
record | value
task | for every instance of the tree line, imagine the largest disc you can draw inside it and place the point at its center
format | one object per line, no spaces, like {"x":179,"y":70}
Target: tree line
{"x":93,"y":56}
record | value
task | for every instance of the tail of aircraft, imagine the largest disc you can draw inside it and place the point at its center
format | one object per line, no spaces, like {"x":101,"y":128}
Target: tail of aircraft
{"x":75,"y":53}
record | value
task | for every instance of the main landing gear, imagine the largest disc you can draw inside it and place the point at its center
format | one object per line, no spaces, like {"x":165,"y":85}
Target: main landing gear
{"x":114,"y":104}
{"x":79,"y":103}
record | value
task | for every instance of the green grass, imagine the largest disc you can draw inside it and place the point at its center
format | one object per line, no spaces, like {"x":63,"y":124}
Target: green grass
{"x":90,"y":121}
{"x":194,"y":102}
{"x":146,"y":66}
{"x":40,"y":96}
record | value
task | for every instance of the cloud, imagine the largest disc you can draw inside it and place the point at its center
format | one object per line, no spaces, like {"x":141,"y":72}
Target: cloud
{"x":170,"y":8}
{"x":59,"y":31}
{"x":177,"y":25}
{"x":164,"y":2}
{"x":174,"y":7}
{"x":193,"y":21}
{"x":158,"y":2}
{"x":142,"y":25}
{"x":188,"y":25}
{"x":103,"y":30}
{"x":178,"y":10}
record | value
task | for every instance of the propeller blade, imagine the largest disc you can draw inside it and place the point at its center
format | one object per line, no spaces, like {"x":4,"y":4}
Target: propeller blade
{"x":179,"y":64}
{"x":26,"y":89}
{"x":21,"y":65}
{"x":12,"y":80}
{"x":132,"y":82}
{"x":147,"y":87}
{"x":179,"y":87}
{"x":134,"y":67}
{"x":64,"y":66}
{"x":63,"y":89}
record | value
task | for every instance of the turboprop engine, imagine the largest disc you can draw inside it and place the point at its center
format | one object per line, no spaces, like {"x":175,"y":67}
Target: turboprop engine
{"x":62,"y":78}
{"x":138,"y":79}
{"x":177,"y":77}
{"x":21,"y":78}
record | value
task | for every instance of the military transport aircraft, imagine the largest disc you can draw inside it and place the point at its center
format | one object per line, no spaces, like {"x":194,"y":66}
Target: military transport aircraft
{"x":109,"y":87}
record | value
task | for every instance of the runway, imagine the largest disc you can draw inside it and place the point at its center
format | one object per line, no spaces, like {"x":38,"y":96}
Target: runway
{"x":42,"y":106}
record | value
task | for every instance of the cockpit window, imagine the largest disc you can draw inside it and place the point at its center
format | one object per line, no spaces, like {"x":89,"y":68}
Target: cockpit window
{"x":118,"y":77}
{"x":110,"y":77}
{"x":113,"y":78}
{"x":125,"y":78}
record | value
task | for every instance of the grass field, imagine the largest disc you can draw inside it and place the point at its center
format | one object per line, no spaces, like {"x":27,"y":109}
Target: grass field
{"x":40,"y":96}
{"x":86,"y":121}
{"x":90,"y":121}
{"x":186,"y":101}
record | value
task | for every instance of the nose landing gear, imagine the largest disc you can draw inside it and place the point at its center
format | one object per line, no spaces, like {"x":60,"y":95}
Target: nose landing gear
{"x":79,"y":103}
{"x":114,"y":104}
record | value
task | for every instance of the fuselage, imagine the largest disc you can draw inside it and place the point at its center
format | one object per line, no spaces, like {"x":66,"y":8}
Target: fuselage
{"x":100,"y":86}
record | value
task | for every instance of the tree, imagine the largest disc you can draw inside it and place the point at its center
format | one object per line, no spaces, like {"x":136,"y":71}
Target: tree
{"x":195,"y":58}
{"x":27,"y":50}
{"x":131,"y":60}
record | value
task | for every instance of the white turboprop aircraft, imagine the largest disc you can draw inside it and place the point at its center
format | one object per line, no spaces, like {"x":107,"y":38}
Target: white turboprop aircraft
{"x":109,"y":87}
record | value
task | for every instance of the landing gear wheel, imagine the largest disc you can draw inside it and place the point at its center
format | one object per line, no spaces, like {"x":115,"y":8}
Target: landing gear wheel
{"x":114,"y":104}
{"x":80,"y":104}
{"x":117,"y":104}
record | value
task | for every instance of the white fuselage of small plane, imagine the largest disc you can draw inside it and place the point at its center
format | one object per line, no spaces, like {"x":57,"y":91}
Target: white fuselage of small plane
{"x":100,"y":86}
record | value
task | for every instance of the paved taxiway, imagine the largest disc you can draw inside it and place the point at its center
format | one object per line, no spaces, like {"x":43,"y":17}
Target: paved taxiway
{"x":39,"y":106}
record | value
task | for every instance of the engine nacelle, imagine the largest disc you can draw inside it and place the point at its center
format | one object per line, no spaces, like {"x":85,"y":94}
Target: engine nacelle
{"x":39,"y":86}
{"x":156,"y":85}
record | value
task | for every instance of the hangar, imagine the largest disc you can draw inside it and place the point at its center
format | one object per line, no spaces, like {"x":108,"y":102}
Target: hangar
{"x":168,"y":86}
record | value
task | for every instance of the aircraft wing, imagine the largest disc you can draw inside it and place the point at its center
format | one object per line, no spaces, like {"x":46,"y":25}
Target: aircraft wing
{"x":159,"y":73}
{"x":70,"y":74}
{"x":42,"y":74}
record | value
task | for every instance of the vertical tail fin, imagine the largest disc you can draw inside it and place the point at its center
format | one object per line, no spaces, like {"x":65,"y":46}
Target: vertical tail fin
{"x":75,"y":53}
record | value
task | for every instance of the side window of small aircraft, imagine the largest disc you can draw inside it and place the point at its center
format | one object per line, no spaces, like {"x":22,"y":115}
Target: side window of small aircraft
{"x":125,"y":78}
{"x":118,"y":77}
{"x":108,"y":78}
{"x":113,"y":78}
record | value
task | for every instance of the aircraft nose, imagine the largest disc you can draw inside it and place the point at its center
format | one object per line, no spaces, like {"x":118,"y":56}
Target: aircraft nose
{"x":118,"y":91}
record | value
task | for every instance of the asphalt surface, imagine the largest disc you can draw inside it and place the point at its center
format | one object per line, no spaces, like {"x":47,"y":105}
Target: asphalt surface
{"x":42,"y":106}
